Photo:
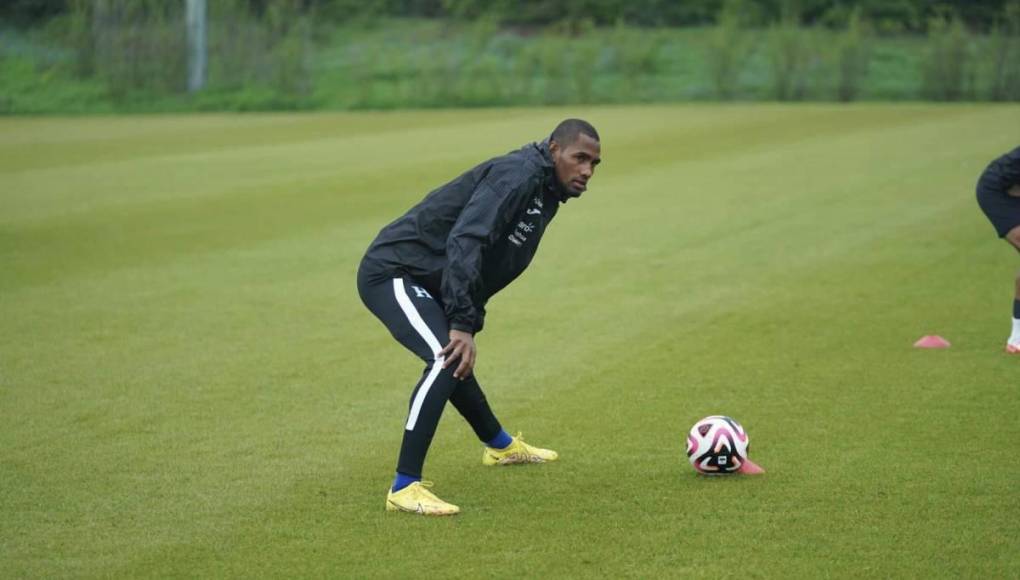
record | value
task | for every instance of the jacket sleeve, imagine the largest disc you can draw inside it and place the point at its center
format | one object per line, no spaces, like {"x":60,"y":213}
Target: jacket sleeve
{"x":1010,"y":168}
{"x":479,"y":318}
{"x":487,"y":214}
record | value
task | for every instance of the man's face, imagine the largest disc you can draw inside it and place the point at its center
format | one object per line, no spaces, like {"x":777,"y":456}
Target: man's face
{"x":576,"y":162}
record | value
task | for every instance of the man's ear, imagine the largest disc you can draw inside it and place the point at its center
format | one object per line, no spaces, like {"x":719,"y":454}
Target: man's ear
{"x":554,"y":147}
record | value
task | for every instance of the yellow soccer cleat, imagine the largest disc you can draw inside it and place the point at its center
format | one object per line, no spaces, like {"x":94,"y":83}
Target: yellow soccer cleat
{"x":416,"y":499}
{"x":518,"y":452}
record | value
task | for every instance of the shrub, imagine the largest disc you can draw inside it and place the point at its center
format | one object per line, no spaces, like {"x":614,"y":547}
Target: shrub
{"x":791,"y":56}
{"x":140,"y":46}
{"x":636,"y":56}
{"x":131,"y":45}
{"x":728,"y":48}
{"x":1003,"y":56}
{"x":948,"y":68}
{"x":853,"y":53}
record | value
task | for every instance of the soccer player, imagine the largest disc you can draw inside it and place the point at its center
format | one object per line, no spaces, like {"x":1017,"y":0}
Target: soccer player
{"x":428,"y":275}
{"x":998,"y":194}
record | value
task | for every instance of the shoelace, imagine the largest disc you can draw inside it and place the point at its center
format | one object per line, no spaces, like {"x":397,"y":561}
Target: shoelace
{"x":527,"y":452}
{"x":424,"y":490}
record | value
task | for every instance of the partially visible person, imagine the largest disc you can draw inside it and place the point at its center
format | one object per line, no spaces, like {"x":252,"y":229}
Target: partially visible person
{"x":998,"y":194}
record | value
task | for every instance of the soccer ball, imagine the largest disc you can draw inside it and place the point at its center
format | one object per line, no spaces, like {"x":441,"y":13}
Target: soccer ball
{"x":717,"y":445}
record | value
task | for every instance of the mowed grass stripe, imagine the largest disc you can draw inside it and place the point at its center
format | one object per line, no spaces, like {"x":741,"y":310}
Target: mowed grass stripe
{"x":34,"y":144}
{"x":234,"y":409}
{"x":207,"y":200}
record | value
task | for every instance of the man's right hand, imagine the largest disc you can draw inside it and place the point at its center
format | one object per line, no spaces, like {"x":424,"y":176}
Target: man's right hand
{"x":461,"y":346}
{"x":1014,"y":191}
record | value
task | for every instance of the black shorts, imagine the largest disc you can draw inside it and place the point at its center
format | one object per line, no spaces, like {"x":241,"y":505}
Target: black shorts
{"x":1002,"y":209}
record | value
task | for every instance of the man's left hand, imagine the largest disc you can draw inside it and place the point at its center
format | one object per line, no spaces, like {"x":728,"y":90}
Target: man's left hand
{"x":461,"y":346}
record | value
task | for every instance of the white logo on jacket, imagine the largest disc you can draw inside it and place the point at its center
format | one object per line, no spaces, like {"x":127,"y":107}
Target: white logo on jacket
{"x":520,"y":234}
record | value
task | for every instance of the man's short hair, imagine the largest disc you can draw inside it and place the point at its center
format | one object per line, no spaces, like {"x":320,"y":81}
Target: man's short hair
{"x":567,"y":131}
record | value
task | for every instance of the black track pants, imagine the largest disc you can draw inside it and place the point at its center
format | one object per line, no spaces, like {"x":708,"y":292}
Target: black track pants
{"x":417,"y":321}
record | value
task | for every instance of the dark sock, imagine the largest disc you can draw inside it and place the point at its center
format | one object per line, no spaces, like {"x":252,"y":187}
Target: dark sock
{"x":501,"y":441}
{"x":402,"y":481}
{"x":1016,"y":308}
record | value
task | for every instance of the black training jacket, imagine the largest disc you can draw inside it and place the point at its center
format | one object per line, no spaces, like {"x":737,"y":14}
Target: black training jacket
{"x":471,"y":237}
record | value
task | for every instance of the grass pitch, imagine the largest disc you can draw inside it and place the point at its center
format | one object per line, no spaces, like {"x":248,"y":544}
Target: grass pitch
{"x":189,"y":385}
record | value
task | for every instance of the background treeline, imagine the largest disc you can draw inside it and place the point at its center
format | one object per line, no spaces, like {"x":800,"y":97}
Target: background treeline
{"x":887,"y":15}
{"x":62,"y":56}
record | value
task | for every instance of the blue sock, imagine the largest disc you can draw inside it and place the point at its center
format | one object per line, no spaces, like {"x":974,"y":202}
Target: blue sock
{"x":1016,"y":308}
{"x":501,"y":441}
{"x":402,"y":481}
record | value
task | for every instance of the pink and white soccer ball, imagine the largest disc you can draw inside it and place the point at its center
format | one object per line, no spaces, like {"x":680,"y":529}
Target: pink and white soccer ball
{"x":717,"y":445}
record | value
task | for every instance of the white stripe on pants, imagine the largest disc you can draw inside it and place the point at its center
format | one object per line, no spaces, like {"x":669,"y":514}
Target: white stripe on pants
{"x":423,"y":329}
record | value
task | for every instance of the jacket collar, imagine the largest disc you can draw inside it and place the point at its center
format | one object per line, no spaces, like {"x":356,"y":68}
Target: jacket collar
{"x":552,"y":185}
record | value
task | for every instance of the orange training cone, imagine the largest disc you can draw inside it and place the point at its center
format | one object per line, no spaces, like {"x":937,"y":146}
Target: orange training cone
{"x":932,"y":341}
{"x":749,"y":467}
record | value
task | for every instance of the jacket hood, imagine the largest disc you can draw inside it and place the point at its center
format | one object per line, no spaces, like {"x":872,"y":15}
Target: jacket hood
{"x":540,"y":154}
